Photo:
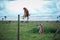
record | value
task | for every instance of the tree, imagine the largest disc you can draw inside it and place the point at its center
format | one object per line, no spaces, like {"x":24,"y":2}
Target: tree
{"x":2,"y":19}
{"x":58,"y":17}
{"x":5,"y":17}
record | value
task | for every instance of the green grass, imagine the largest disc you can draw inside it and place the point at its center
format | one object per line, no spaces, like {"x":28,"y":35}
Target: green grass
{"x":28,"y":31}
{"x":8,"y":31}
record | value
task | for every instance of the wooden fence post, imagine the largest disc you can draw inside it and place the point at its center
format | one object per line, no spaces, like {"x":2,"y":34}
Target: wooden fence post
{"x":18,"y":26}
{"x":53,"y":38}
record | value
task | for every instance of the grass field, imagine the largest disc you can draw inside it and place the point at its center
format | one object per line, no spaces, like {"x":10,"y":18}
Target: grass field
{"x":28,"y":31}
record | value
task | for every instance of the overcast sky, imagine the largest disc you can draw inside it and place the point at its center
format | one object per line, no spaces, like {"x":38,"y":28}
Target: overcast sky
{"x":38,"y":9}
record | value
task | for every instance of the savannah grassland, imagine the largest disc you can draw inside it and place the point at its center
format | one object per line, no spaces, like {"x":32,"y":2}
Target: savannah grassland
{"x":28,"y":31}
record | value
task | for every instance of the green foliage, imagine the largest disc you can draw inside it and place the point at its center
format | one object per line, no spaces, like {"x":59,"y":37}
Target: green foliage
{"x":28,"y":31}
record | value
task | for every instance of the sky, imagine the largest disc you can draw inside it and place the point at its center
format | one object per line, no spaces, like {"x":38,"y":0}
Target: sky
{"x":46,"y":10}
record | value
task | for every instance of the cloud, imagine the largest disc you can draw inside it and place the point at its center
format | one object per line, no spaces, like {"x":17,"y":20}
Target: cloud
{"x":39,"y":8}
{"x":51,"y":0}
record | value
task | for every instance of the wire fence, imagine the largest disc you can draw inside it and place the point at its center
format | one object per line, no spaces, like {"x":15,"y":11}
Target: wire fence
{"x":12,"y":28}
{"x":31,"y":18}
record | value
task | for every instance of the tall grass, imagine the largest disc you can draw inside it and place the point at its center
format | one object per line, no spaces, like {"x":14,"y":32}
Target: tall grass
{"x":28,"y":31}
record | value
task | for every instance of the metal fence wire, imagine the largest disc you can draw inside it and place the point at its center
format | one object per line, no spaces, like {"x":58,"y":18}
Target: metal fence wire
{"x":17,"y":29}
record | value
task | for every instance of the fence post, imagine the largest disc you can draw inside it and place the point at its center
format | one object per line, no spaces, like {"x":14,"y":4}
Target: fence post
{"x":58,"y":29}
{"x":18,"y":26}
